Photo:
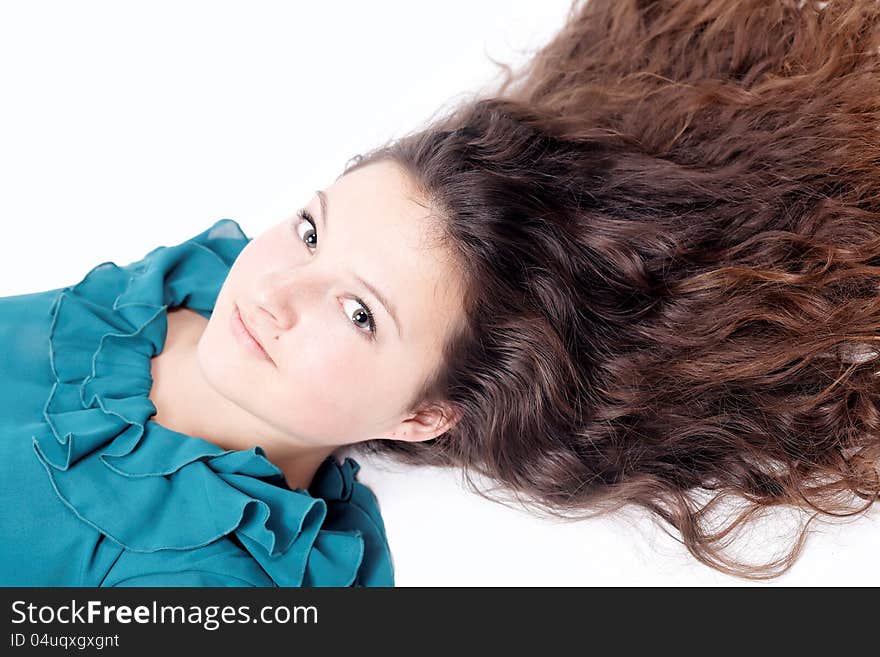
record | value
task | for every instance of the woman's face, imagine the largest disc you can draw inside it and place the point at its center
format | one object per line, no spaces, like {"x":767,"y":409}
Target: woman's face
{"x":333,"y":376}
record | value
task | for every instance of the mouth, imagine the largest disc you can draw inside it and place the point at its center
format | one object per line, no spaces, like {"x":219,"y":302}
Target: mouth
{"x":246,"y":336}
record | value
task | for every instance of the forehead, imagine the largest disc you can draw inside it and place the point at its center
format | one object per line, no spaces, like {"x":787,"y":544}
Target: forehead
{"x":393,"y":228}
{"x":382,"y":191}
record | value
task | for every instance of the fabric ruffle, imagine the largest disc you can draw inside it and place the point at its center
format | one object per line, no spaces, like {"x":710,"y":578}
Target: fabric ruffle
{"x":150,"y":488}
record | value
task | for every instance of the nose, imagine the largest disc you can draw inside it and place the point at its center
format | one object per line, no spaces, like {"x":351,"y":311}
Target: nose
{"x":281,"y":296}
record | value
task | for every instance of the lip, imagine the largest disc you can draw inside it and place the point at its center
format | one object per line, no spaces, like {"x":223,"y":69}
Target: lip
{"x":246,"y":337}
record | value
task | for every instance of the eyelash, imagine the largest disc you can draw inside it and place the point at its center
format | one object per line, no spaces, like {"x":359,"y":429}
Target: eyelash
{"x":305,"y":215}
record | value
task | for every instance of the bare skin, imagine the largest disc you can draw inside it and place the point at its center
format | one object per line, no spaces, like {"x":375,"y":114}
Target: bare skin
{"x":328,"y":378}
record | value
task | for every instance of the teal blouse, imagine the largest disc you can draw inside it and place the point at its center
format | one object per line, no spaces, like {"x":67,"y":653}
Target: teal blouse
{"x":94,"y":493}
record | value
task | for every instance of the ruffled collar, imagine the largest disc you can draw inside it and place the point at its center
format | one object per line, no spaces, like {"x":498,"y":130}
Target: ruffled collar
{"x":150,"y":488}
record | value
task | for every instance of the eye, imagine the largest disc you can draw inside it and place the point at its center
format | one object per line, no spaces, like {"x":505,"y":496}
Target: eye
{"x":363,"y":314}
{"x":308,"y":235}
{"x":309,"y":224}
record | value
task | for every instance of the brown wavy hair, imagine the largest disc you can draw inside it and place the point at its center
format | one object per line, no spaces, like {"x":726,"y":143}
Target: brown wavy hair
{"x":669,"y":221}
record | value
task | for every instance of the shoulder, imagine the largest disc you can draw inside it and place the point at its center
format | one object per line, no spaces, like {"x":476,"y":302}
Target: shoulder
{"x":220,"y":563}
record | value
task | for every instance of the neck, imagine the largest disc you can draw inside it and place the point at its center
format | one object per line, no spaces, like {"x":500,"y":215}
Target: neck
{"x":187,"y":404}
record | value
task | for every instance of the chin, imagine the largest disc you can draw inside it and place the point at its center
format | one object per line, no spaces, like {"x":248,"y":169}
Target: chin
{"x":211,"y":366}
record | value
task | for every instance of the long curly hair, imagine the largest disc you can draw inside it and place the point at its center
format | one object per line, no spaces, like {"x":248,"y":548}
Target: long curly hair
{"x":669,"y":221}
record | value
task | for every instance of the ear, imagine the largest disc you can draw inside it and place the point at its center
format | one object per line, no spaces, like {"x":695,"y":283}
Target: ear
{"x":427,"y":423}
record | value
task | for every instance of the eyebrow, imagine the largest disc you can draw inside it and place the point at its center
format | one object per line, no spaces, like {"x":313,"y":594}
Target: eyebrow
{"x":389,"y":307}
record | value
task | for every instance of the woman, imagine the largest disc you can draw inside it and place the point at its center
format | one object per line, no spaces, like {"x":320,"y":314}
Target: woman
{"x":640,"y":271}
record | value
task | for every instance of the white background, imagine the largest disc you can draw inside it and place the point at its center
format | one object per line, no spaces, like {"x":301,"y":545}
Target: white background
{"x":125,"y":126}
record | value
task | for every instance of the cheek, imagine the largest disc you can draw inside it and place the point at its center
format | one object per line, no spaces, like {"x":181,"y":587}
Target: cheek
{"x":327,"y":389}
{"x":323,"y":357}
{"x":279,"y":241}
{"x":272,"y":247}
{"x":350,"y":385}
